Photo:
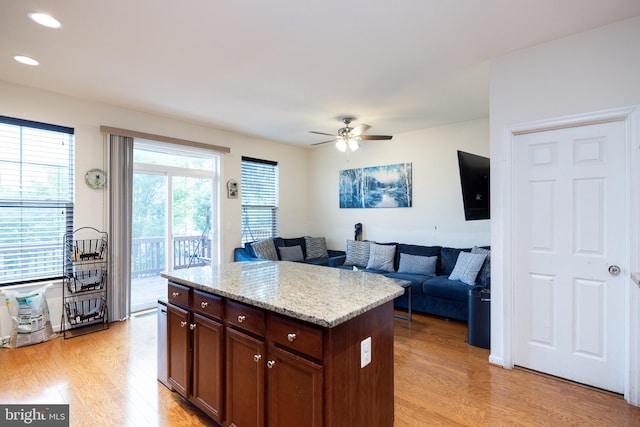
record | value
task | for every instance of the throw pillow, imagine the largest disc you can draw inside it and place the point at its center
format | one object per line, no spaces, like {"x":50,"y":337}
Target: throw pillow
{"x":448,"y":258}
{"x":486,"y":267}
{"x":415,"y":264}
{"x":316,"y":247}
{"x":291,"y":253}
{"x":467,"y":267}
{"x":357,"y":253}
{"x":381,"y":257}
{"x":265,"y":249}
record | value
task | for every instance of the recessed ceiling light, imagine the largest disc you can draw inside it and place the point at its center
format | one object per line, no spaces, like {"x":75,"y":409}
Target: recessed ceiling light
{"x":44,"y":19}
{"x":26,"y":60}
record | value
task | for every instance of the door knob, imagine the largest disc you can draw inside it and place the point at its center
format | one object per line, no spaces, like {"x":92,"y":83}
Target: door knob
{"x":614,"y":270}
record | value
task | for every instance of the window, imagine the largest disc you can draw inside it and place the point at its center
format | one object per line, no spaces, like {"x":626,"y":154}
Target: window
{"x":259,"y":199}
{"x":36,"y":199}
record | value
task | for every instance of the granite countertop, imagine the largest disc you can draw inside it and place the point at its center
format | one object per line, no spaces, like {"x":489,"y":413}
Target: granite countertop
{"x":323,"y":296}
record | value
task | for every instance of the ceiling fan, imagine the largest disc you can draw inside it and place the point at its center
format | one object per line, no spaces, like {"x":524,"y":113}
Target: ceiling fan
{"x":348,"y":137}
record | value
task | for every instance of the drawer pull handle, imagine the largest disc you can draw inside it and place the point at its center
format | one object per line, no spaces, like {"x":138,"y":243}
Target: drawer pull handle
{"x":257,"y":357}
{"x":183,"y":324}
{"x":291,"y":337}
{"x":204,"y":304}
{"x":175,"y":294}
{"x":192,"y":326}
{"x":241,"y":318}
{"x":271,"y":364}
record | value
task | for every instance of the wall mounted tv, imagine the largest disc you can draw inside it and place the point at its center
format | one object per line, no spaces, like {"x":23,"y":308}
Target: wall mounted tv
{"x":474,"y":178}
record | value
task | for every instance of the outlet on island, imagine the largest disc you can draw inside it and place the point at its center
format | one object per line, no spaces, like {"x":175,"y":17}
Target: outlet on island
{"x":365,"y":352}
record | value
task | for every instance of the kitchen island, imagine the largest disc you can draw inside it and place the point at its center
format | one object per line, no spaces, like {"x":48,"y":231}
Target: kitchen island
{"x":283,"y":344}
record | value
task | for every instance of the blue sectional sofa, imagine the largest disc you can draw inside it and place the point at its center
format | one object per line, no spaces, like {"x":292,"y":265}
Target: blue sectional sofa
{"x":433,"y":292}
{"x":247,"y":252}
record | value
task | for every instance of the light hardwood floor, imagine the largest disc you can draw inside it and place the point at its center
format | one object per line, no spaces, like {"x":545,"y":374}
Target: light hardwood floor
{"x":109,"y":379}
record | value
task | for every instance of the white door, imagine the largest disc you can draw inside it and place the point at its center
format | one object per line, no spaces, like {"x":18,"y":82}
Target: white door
{"x":569,"y":229}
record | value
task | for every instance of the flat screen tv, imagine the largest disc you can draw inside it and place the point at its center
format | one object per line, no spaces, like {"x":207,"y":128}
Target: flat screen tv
{"x":474,"y":178}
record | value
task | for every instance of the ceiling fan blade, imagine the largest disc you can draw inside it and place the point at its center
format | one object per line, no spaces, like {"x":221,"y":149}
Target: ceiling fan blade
{"x":325,"y":142}
{"x":374,"y":137}
{"x":322,"y":133}
{"x":360,"y":129}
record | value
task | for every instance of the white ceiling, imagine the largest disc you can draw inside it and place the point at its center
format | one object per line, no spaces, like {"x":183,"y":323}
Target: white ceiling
{"x":280,"y":68}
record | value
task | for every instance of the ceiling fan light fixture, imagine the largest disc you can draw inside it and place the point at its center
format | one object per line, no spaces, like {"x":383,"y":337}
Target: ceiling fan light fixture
{"x":341,"y":145}
{"x":44,"y":19}
{"x":353,"y":145}
{"x":27,"y":60}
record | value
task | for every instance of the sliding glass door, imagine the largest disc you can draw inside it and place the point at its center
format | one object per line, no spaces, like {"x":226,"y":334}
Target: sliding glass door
{"x":174,"y":216}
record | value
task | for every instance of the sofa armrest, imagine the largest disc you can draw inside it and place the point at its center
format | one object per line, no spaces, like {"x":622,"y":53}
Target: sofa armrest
{"x":241,"y":254}
{"x":338,"y":260}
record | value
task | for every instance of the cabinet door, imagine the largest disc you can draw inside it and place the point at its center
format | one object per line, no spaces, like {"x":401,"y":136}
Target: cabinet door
{"x":207,"y":366}
{"x":245,"y":380}
{"x":294,"y":390}
{"x":178,"y":349}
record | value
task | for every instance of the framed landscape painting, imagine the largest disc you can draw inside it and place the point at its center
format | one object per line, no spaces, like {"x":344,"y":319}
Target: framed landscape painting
{"x":386,"y":186}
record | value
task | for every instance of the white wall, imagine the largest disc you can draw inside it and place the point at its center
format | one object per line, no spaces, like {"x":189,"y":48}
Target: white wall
{"x":588,"y":72}
{"x":87,"y":117}
{"x":437,"y":215}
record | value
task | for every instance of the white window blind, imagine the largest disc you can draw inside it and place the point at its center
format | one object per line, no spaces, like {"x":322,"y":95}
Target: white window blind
{"x":36,"y":199}
{"x":259,"y":193}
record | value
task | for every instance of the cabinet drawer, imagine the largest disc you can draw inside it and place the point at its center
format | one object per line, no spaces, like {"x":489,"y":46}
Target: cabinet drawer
{"x":245,"y":317}
{"x":179,"y":295}
{"x":207,"y":304}
{"x":294,"y":335}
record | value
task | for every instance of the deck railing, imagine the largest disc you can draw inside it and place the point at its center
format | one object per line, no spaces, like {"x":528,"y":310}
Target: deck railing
{"x":148,"y":254}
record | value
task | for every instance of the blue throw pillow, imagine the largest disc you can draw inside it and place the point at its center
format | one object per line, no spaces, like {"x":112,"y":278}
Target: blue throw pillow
{"x":415,"y":264}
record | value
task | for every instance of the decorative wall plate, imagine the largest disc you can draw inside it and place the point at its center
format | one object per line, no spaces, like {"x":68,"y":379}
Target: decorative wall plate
{"x":95,"y":178}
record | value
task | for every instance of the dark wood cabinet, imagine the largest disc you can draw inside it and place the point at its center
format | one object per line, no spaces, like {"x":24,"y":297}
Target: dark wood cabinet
{"x":208,"y":344}
{"x":294,"y":390}
{"x":195,"y":345}
{"x":179,"y":349}
{"x":270,"y":370}
{"x":245,"y":380}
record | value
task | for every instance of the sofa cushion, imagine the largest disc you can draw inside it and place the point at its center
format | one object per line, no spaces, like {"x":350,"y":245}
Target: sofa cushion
{"x":265,"y":249}
{"x":249,"y":248}
{"x":298,"y":241}
{"x":291,"y":253}
{"x":381,"y":257}
{"x":448,"y":259}
{"x":416,"y":250}
{"x":467,"y":267}
{"x":316,"y":247}
{"x":443,"y":288}
{"x":416,"y":264}
{"x":485,"y":271}
{"x":357,"y":253}
{"x":317,"y":261}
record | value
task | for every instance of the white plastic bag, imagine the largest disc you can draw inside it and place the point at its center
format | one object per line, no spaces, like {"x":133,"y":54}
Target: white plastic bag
{"x":30,"y":320}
